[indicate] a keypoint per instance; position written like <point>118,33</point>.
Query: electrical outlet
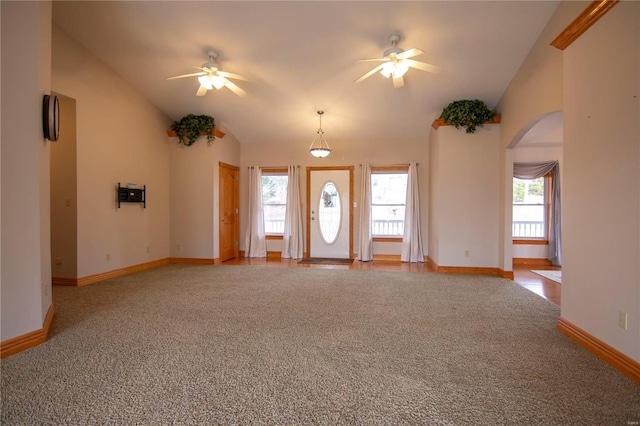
<point>57,261</point>
<point>622,320</point>
<point>466,253</point>
<point>179,246</point>
<point>108,256</point>
<point>148,249</point>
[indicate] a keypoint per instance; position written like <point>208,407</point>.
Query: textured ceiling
<point>300,57</point>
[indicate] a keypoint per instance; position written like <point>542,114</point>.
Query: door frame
<point>236,207</point>
<point>325,168</point>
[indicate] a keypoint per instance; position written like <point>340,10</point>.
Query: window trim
<point>388,170</point>
<point>273,171</point>
<point>548,190</point>
<point>532,241</point>
<point>389,239</point>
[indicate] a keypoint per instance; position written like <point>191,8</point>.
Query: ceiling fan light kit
<point>319,147</point>
<point>396,70</point>
<point>211,81</point>
<point>212,77</point>
<point>396,63</point>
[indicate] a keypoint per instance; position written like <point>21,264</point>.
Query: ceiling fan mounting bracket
<point>394,39</point>
<point>211,67</point>
<point>392,50</point>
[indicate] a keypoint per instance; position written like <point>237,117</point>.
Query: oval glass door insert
<point>329,213</point>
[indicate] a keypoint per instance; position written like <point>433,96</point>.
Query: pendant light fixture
<point>319,147</point>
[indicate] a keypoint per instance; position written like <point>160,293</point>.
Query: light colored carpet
<point>552,275</point>
<point>186,344</point>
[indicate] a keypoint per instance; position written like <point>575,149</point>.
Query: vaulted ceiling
<point>302,56</point>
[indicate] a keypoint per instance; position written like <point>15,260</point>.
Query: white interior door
<point>329,213</point>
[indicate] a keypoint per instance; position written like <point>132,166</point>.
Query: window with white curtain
<point>388,200</point>
<point>274,200</point>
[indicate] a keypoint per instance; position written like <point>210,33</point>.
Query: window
<point>274,200</point>
<point>388,198</point>
<point>531,208</point>
<point>329,213</point>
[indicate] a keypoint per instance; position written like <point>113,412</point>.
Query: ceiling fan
<point>396,62</point>
<point>211,76</point>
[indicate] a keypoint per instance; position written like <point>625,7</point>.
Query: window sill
<point>532,242</point>
<point>387,239</point>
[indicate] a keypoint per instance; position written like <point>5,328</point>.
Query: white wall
<point>121,137</point>
<point>26,268</point>
<point>192,207</point>
<point>530,251</point>
<point>64,200</point>
<point>195,194</point>
<point>467,193</point>
<point>434,196</point>
<point>345,153</point>
<point>601,211</point>
<point>535,90</point>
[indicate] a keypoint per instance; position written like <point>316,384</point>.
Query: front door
<point>330,212</point>
<point>229,213</point>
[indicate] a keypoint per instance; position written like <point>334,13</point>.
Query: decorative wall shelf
<point>440,122</point>
<point>217,133</point>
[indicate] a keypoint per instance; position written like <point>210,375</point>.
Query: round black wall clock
<point>51,117</point>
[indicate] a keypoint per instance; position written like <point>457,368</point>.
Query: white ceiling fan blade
<point>410,53</point>
<point>201,91</point>
<point>235,89</point>
<point>385,59</point>
<point>232,75</point>
<point>370,73</point>
<point>195,74</point>
<point>422,66</point>
<point>398,82</point>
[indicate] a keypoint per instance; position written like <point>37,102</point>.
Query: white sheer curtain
<point>292,238</point>
<point>412,239</point>
<point>365,248</point>
<point>255,241</point>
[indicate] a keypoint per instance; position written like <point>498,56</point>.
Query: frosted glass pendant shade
<point>319,147</point>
